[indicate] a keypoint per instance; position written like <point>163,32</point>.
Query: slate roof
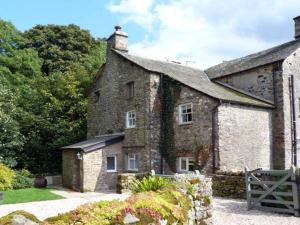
<point>96,143</point>
<point>196,79</point>
<point>265,57</point>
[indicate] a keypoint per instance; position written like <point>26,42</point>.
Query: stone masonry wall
<point>107,114</point>
<point>258,81</point>
<point>69,169</point>
<point>244,137</point>
<point>95,175</point>
<point>229,185</point>
<point>270,83</point>
<point>191,139</point>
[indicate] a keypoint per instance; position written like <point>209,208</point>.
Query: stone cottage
<point>145,114</point>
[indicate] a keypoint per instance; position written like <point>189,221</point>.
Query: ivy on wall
<point>169,92</point>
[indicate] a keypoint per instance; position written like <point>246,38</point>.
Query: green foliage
<point>22,179</point>
<point>6,178</point>
<point>45,74</point>
<point>169,92</point>
<point>150,183</point>
<point>6,220</point>
<point>149,207</point>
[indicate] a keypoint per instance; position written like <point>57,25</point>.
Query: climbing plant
<point>169,92</point>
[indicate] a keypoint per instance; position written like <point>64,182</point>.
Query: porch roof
<point>96,143</point>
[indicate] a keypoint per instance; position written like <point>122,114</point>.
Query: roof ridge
<point>156,60</point>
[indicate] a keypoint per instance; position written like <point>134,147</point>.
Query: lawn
<point>29,195</point>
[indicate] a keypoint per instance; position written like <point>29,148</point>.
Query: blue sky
<point>203,31</point>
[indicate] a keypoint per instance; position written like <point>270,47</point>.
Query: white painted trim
<point>115,160</point>
<point>128,162</point>
<point>127,119</point>
<point>180,113</point>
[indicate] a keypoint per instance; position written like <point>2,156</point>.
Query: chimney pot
<point>297,27</point>
<point>117,28</point>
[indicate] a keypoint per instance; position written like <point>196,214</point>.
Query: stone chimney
<point>118,40</point>
<point>297,27</point>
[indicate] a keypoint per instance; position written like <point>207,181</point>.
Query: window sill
<point>129,128</point>
<point>111,171</point>
<point>187,123</point>
<point>133,170</point>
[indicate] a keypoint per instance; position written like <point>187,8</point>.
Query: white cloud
<point>206,31</point>
<point>137,11</point>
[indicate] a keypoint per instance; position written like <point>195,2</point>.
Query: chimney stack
<point>118,40</point>
<point>297,27</point>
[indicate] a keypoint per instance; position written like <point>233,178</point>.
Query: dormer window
<point>130,89</point>
<point>185,113</point>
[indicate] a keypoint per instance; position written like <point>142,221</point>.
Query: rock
<point>130,219</point>
<point>21,220</point>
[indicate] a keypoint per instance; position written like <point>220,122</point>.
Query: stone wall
<point>244,137</point>
<point>70,174</point>
<point>191,140</point>
<point>258,81</point>
<point>229,185</point>
<point>200,194</point>
<point>95,175</point>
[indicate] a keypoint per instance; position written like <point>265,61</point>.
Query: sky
<point>198,33</point>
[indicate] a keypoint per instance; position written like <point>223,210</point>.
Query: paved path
<point>45,209</point>
<point>234,212</point>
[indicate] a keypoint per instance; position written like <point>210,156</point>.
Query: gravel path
<point>45,209</point>
<point>234,212</point>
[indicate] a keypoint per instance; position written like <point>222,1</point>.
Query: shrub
<point>6,178</point>
<point>22,179</point>
<point>150,183</point>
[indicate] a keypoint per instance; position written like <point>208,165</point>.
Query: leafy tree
<point>44,76</point>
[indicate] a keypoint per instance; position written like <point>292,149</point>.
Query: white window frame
<point>188,161</point>
<point>135,158</point>
<point>115,161</point>
<point>128,118</point>
<point>181,114</point>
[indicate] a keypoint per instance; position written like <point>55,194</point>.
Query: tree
<point>45,73</point>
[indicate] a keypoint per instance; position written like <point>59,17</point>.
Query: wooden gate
<point>272,190</point>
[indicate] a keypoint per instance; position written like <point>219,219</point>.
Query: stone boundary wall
<point>200,193</point>
<point>229,185</point>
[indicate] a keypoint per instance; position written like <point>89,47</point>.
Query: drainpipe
<point>214,155</point>
<point>161,125</point>
<point>293,116</point>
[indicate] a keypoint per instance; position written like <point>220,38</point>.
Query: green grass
<point>29,195</point>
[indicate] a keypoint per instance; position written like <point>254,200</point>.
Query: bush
<point>22,179</point>
<point>6,178</point>
<point>150,183</point>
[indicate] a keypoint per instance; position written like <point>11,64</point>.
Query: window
<point>111,163</point>
<point>130,89</point>
<point>130,119</point>
<point>185,113</point>
<point>97,95</point>
<point>132,162</point>
<point>186,164</point>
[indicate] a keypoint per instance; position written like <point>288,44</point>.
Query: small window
<point>130,89</point>
<point>132,162</point>
<point>97,95</point>
<point>186,164</point>
<point>130,119</point>
<point>111,163</point>
<point>185,113</point>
